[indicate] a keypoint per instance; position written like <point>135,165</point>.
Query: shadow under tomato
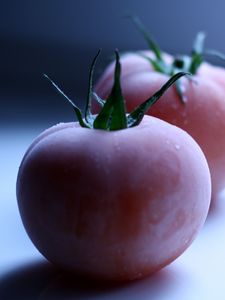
<point>65,286</point>
<point>26,282</point>
<point>42,281</point>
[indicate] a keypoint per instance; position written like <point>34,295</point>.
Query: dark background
<point>60,38</point>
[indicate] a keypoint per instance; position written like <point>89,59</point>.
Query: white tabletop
<point>199,274</point>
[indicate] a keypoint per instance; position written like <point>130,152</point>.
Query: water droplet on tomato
<point>183,88</point>
<point>174,106</point>
<point>167,142</point>
<point>185,99</point>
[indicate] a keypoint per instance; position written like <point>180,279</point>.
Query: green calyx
<point>112,115</point>
<point>181,63</point>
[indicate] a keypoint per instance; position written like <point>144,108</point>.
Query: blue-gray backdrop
<point>61,37</point>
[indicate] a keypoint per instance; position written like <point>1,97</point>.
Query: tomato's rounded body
<point>202,115</point>
<point>113,205</point>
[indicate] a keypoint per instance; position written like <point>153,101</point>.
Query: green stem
<point>112,115</point>
<point>183,63</point>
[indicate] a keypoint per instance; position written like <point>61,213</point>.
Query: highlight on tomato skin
<point>197,105</point>
<point>114,196</point>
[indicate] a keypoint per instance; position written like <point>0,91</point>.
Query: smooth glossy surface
<point>24,275</point>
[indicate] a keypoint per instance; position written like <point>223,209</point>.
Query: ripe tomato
<point>201,111</point>
<point>115,204</point>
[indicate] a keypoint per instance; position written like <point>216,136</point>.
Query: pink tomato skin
<point>202,116</point>
<point>113,205</point>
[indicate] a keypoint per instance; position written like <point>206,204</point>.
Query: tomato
<point>201,111</point>
<point>115,204</point>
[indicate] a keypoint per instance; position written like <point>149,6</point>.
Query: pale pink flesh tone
<point>202,116</point>
<point>113,205</point>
